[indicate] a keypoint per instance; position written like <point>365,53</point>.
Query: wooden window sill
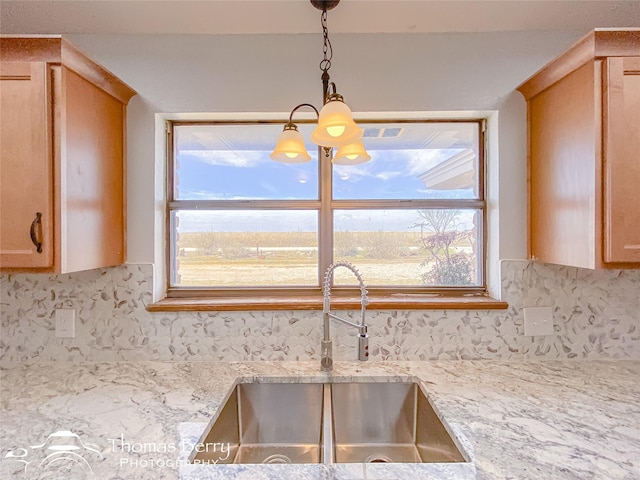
<point>314,302</point>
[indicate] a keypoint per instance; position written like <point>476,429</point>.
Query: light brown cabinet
<point>62,159</point>
<point>583,120</point>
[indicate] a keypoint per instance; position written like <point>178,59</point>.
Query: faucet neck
<point>328,277</point>
<point>363,338</point>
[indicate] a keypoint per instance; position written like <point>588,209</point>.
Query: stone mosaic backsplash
<point>596,316</point>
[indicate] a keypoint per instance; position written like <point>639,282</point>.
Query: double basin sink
<point>329,423</point>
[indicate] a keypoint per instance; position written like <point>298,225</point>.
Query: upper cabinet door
<point>62,159</point>
<point>622,160</point>
<point>584,153</point>
<point>26,167</point>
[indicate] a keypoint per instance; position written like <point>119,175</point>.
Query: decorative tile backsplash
<point>596,316</point>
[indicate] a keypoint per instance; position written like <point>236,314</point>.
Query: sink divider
<point>328,440</point>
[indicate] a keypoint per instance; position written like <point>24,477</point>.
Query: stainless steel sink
<point>388,422</point>
<point>267,423</point>
<point>328,423</point>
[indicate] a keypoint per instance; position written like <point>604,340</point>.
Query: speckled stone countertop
<point>518,420</point>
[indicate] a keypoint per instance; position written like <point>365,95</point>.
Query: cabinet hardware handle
<point>632,247</point>
<point>36,228</point>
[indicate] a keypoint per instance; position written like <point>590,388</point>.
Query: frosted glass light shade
<point>351,154</point>
<point>335,126</point>
<point>290,148</point>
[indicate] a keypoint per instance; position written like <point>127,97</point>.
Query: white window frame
<point>325,206</point>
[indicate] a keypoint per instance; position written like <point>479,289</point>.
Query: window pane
<point>413,161</point>
<point>434,247</point>
<point>231,162</point>
<point>244,248</point>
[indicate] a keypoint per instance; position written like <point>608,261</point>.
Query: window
<point>412,219</point>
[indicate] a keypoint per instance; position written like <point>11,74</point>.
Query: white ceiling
<point>298,16</point>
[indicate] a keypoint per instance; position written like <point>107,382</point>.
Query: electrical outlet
<point>538,321</point>
<point>65,322</point>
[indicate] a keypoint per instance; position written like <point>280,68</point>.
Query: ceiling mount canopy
<point>335,127</point>
<point>325,4</point>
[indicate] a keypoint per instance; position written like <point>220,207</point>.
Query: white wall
<point>380,73</point>
<point>595,312</point>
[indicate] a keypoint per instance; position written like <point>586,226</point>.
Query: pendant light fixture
<point>335,127</point>
<point>351,154</point>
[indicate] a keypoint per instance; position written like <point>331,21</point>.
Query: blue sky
<point>218,175</point>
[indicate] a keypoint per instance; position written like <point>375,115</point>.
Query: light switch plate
<point>65,322</point>
<point>538,321</point>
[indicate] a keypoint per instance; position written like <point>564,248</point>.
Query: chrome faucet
<point>326,349</point>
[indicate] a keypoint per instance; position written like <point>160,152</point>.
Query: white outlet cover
<point>65,322</point>
<point>538,321</point>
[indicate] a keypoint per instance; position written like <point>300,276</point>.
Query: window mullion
<point>169,223</point>
<point>325,223</point>
<point>244,205</point>
<point>407,204</point>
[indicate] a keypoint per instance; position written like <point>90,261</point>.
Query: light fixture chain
<point>335,127</point>
<point>327,50</point>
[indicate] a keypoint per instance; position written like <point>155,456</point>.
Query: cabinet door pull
<point>36,230</point>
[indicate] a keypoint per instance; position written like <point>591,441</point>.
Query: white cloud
<point>187,194</point>
<point>227,158</point>
<point>387,175</point>
<point>388,164</point>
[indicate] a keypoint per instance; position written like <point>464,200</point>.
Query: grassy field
<point>262,272</point>
<point>290,258</point>
<point>245,244</point>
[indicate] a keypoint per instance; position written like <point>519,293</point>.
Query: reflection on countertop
<point>524,420</point>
